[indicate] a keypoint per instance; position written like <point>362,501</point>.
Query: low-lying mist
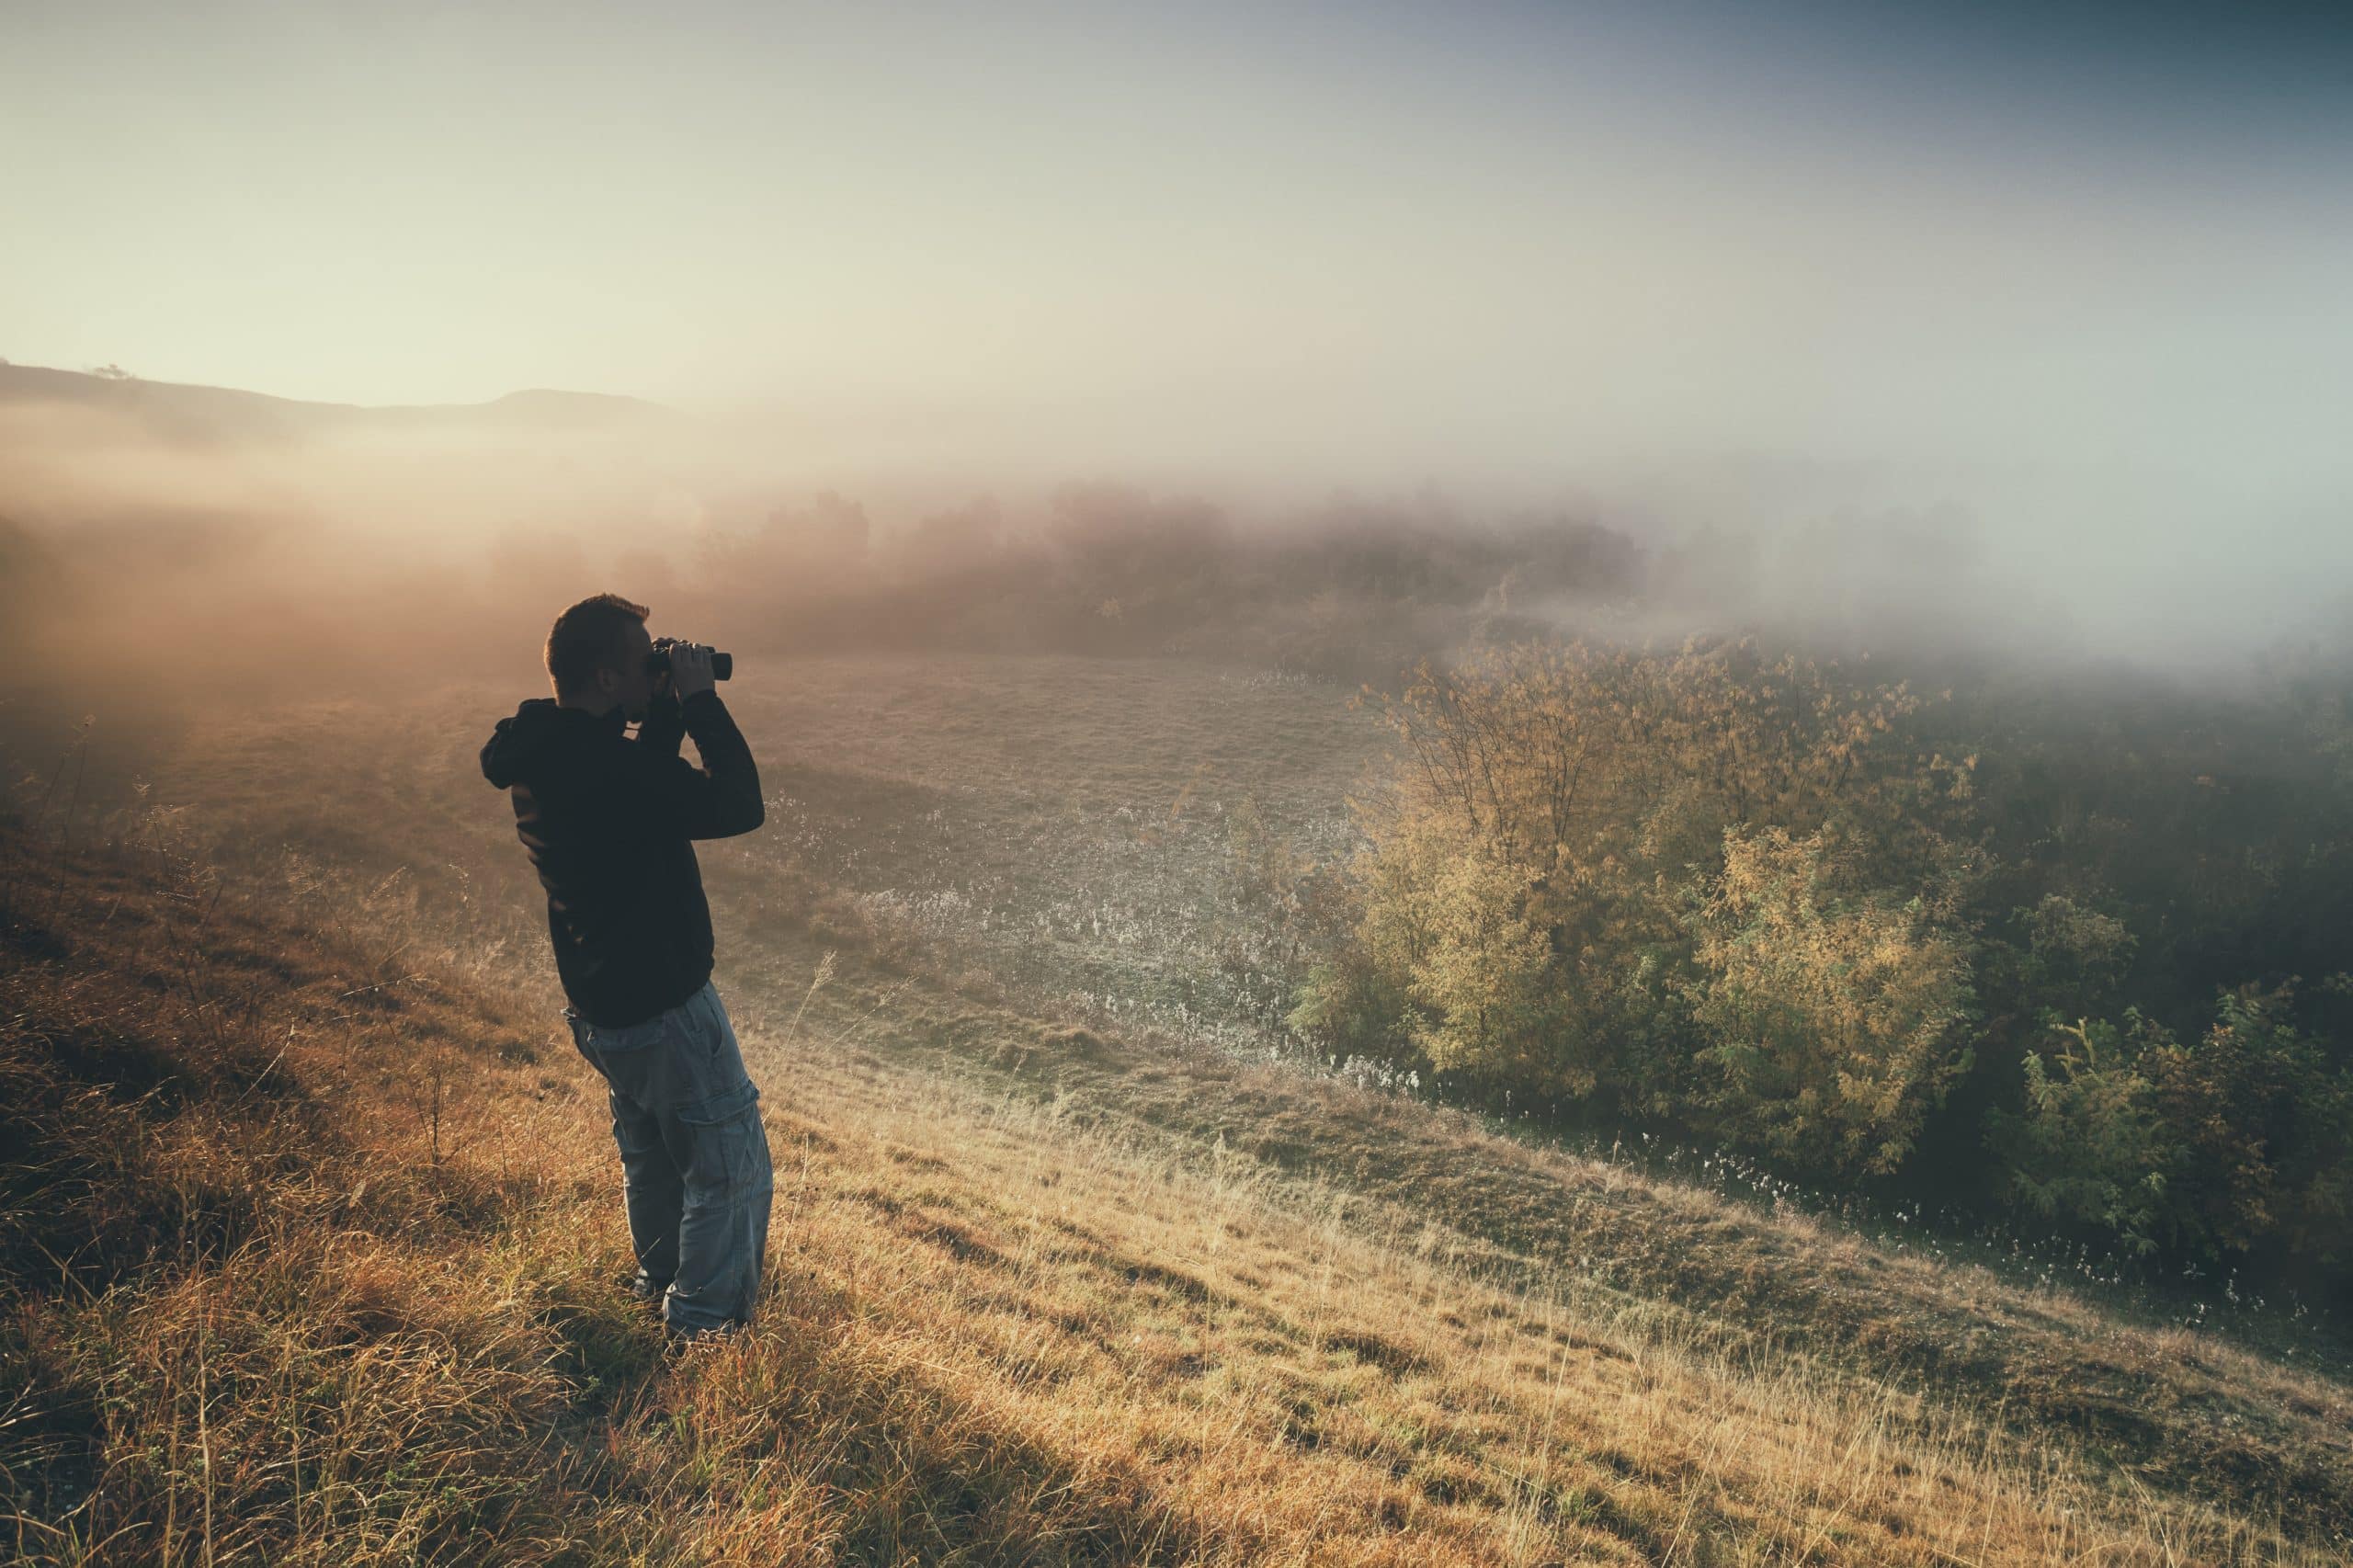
<point>178,549</point>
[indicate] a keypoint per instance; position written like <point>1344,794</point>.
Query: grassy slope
<point>1350,1317</point>
<point>2155,1406</point>
<point>251,1314</point>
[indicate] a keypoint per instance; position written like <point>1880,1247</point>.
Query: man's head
<point>597,653</point>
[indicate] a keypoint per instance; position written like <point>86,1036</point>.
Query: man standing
<point>609,824</point>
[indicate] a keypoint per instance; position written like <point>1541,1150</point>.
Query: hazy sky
<point>1466,236</point>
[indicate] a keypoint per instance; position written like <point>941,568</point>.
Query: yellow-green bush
<point>1837,1015</point>
<point>1831,920</point>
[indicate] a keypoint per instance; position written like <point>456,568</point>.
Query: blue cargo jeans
<point>694,1153</point>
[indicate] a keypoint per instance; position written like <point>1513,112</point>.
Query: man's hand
<point>690,668</point>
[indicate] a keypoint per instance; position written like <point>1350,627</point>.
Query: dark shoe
<point>648,1291</point>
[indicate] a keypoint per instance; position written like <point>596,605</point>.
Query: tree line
<point>2076,952</point>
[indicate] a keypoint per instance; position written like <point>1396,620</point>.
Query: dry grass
<point>251,1316</point>
<point>315,1253</point>
<point>1345,1390</point>
<point>2125,1407</point>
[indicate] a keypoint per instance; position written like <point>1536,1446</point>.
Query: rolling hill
<point>317,1257</point>
<point>222,415</point>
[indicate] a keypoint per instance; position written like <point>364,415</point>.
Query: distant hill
<point>225,414</point>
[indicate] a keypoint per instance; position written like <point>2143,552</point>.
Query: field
<point>1064,826</point>
<point>1070,1262</point>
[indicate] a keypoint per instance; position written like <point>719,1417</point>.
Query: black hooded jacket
<point>608,823</point>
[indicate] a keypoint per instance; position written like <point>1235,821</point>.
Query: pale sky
<point>1497,239</point>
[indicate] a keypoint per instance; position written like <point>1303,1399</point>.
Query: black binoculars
<point>723,665</point>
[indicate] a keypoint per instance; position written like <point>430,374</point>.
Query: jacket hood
<point>517,746</point>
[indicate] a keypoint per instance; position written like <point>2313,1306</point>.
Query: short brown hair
<point>587,638</point>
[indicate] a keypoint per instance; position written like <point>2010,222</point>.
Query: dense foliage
<point>2081,953</point>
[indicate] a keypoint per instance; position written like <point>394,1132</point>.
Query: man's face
<point>630,685</point>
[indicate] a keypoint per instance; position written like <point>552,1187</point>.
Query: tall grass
<point>263,1308</point>
<point>321,1232</point>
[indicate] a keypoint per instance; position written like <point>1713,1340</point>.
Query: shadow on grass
<point>880,1460</point>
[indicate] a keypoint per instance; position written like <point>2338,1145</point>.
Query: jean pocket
<point>724,1051</point>
<point>725,1138</point>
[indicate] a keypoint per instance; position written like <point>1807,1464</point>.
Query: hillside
<point>316,1257</point>
<point>175,412</point>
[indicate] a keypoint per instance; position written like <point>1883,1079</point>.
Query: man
<point>610,823</point>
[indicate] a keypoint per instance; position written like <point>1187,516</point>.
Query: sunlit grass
<point>993,1332</point>
<point>1038,1293</point>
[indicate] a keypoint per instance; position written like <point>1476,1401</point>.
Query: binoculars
<point>723,665</point>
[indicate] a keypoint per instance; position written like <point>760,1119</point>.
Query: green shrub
<point>1835,1019</point>
<point>2260,1123</point>
<point>1786,907</point>
<point>2237,1140</point>
<point>2088,1147</point>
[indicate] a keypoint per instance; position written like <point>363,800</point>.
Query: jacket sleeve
<point>719,800</point>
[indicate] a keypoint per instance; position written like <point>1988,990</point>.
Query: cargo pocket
<point>724,1140</point>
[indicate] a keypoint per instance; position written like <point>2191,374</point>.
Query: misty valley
<point>1395,1031</point>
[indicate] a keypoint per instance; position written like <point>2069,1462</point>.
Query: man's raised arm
<point>719,800</point>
